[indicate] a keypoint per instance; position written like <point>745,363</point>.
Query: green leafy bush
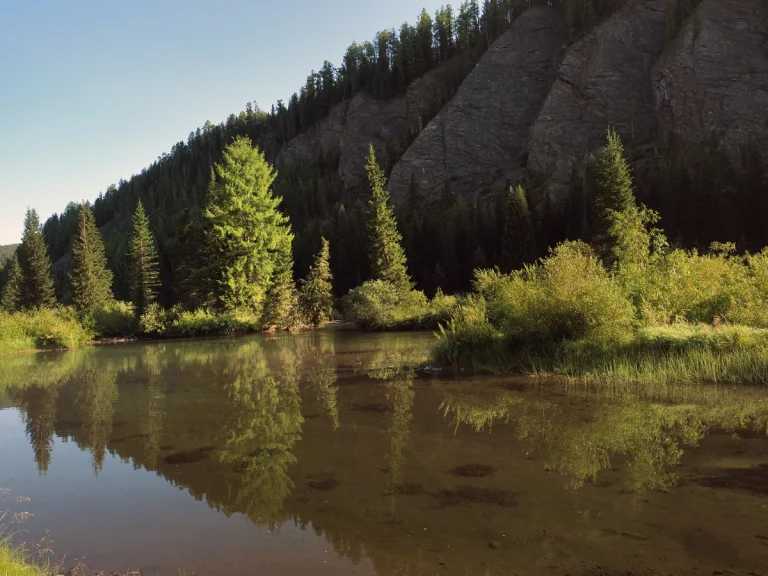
<point>381,305</point>
<point>205,323</point>
<point>155,320</point>
<point>115,320</point>
<point>468,339</point>
<point>567,296</point>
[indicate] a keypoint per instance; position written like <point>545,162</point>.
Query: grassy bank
<point>42,329</point>
<point>16,561</point>
<point>688,318</point>
<point>62,328</point>
<point>662,355</point>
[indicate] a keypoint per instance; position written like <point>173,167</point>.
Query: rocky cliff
<point>604,81</point>
<point>477,141</point>
<point>713,78</point>
<point>534,108</point>
<point>353,125</point>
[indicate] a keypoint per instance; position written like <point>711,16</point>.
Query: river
<point>328,453</point>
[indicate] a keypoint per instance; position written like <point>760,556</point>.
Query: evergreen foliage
<point>245,228</point>
<point>11,296</point>
<point>144,271</point>
<point>517,243</point>
<point>281,303</point>
<point>36,284</point>
<point>316,295</point>
<point>90,281</point>
<point>387,257</point>
<point>613,194</point>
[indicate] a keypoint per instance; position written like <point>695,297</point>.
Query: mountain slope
<point>714,77</point>
<point>475,143</point>
<point>604,81</point>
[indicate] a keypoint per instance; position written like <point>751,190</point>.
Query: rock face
<point>714,76</point>
<point>478,139</point>
<point>304,150</point>
<point>353,125</point>
<point>604,81</point>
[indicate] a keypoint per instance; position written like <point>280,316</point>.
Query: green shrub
<point>469,340</point>
<point>47,328</point>
<point>567,296</point>
<point>115,320</point>
<point>692,287</point>
<point>380,305</point>
<point>205,323</point>
<point>155,320</point>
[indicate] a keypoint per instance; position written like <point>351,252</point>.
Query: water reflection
<point>644,428</point>
<point>418,473</point>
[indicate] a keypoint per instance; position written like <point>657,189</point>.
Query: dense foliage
<point>316,295</point>
<point>90,281</point>
<point>631,313</point>
<point>29,284</point>
<point>144,275</point>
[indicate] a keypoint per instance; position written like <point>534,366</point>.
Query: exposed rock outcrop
<point>477,140</point>
<point>714,77</point>
<point>604,81</point>
<point>353,125</point>
<point>304,150</point>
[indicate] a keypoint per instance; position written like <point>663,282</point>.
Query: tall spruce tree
<point>142,255</point>
<point>281,301</point>
<point>316,295</point>
<point>246,229</point>
<point>11,297</point>
<point>517,243</point>
<point>388,261</point>
<point>613,193</point>
<point>90,281</point>
<point>36,286</point>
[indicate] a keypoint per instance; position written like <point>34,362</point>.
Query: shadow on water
<point>461,476</point>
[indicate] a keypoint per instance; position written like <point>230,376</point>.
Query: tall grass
<point>20,561</point>
<point>567,316</point>
<point>41,329</point>
<point>668,355</point>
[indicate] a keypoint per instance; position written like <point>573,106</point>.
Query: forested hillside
<point>386,92</point>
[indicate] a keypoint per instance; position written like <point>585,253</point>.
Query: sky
<point>94,91</point>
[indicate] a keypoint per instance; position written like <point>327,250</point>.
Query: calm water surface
<point>325,454</point>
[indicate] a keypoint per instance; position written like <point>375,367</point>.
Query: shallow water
<point>324,454</point>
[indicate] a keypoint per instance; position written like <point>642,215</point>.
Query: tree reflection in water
<point>649,432</point>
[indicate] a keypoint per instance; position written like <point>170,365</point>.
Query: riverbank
<point>684,318</point>
<point>677,354</point>
<point>17,561</point>
<point>61,328</point>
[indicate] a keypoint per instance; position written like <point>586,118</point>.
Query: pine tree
<point>144,273</point>
<point>281,299</point>
<point>613,193</point>
<point>11,298</point>
<point>36,286</point>
<point>317,288</point>
<point>388,261</point>
<point>245,228</point>
<point>517,243</point>
<point>90,281</point>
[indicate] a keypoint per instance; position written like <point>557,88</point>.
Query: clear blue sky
<point>93,91</point>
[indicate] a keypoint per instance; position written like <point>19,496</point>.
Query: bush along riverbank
<point>627,308</point>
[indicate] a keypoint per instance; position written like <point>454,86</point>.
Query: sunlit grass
<point>41,329</point>
<point>676,354</point>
